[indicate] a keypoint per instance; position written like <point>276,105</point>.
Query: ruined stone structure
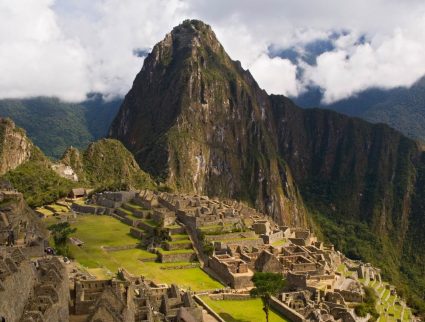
<point>232,270</point>
<point>32,290</point>
<point>242,241</point>
<point>132,300</point>
<point>104,203</point>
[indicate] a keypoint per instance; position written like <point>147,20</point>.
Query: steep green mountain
<point>54,125</point>
<point>196,120</point>
<point>402,108</point>
<point>104,164</point>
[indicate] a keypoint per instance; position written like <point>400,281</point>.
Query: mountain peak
<point>192,25</point>
<point>194,119</point>
<point>184,41</point>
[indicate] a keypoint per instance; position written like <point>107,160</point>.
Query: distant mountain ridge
<point>54,125</point>
<point>402,108</point>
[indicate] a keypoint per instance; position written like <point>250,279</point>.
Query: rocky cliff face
<point>195,119</point>
<point>15,147</point>
<point>361,171</point>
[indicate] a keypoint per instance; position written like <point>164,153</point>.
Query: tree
<point>60,234</point>
<point>266,286</point>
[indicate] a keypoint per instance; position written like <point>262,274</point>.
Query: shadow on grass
<point>228,318</point>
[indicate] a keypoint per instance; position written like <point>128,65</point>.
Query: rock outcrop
<point>15,147</point>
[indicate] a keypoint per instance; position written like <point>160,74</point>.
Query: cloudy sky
<point>68,48</point>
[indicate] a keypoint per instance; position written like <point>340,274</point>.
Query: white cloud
<point>385,62</point>
<point>68,48</point>
<point>276,75</point>
<point>35,57</point>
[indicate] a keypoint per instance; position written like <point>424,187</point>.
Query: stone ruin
<point>132,299</point>
<point>104,203</point>
<point>245,241</point>
<point>32,290</point>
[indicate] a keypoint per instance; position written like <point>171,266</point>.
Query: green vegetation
<point>60,234</point>
<point>54,125</point>
<point>38,182</point>
<point>266,286</point>
<point>369,305</point>
<point>176,251</point>
<point>278,243</point>
<point>97,231</point>
<point>357,241</point>
<point>389,307</point>
<point>44,211</point>
<point>105,165</point>
<point>241,310</point>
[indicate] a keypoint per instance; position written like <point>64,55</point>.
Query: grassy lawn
<point>172,226</point>
<point>341,269</point>
<point>135,206</point>
<point>279,243</point>
<point>177,237</point>
<point>179,241</point>
<point>133,217</point>
<point>242,311</point>
<point>235,240</point>
<point>79,201</point>
<point>96,231</point>
<point>177,251</point>
<point>150,222</point>
<point>44,211</point>
<point>127,212</point>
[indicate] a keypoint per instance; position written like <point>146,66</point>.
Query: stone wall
<point>91,209</point>
<point>136,212</point>
<point>350,296</point>
<point>235,280</point>
<point>150,229</point>
<point>176,257</point>
<point>208,309</point>
<point>285,310</point>
<point>135,232</point>
<point>33,289</point>
<point>296,281</point>
<point>230,296</point>
<point>245,234</point>
<point>118,248</point>
<point>174,246</point>
<point>17,288</point>
<point>33,251</point>
<point>273,237</point>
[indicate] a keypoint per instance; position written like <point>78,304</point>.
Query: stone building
<point>233,271</point>
<point>32,290</point>
<point>133,300</point>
